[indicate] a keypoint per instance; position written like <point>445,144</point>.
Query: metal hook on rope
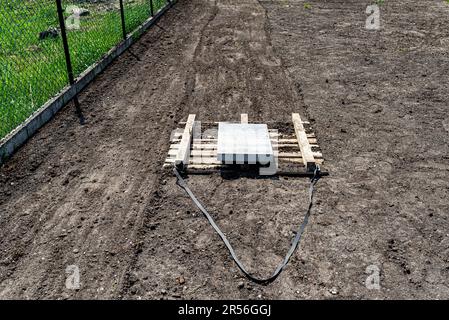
<point>317,174</point>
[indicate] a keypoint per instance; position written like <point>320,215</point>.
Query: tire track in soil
<point>152,209</point>
<point>369,93</point>
<point>295,86</point>
<point>191,75</point>
<point>34,265</point>
<point>234,70</point>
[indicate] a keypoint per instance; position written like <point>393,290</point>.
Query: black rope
<point>181,182</point>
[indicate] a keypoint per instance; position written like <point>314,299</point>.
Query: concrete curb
<point>20,135</point>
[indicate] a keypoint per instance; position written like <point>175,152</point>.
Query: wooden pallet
<point>296,151</point>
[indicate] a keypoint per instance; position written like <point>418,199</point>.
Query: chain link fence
<point>33,65</point>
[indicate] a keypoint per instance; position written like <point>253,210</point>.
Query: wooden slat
<point>183,153</point>
<point>198,160</point>
<point>304,146</point>
<point>298,155</point>
<point>175,141</point>
<point>312,141</point>
<point>178,135</point>
<point>213,146</point>
<point>177,138</point>
<point>214,162</point>
<point>213,153</point>
<point>244,118</point>
<point>217,122</point>
<point>272,132</point>
<point>195,153</point>
<point>295,141</point>
<point>195,146</point>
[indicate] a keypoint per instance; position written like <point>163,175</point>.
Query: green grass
<point>32,71</point>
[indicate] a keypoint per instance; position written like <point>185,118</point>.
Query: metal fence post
<point>68,60</point>
<point>122,14</point>
<point>151,8</point>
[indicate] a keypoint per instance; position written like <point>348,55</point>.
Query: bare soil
<point>96,195</point>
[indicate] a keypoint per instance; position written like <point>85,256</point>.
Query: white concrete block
<point>240,143</point>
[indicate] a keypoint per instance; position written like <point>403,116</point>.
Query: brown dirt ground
<point>96,195</point>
